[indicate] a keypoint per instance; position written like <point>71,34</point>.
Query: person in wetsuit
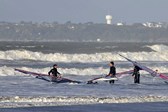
<point>112,72</point>
<point>54,72</point>
<point>136,74</point>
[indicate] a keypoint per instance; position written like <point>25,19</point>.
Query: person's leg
<point>138,78</point>
<point>111,81</point>
<point>54,79</point>
<point>135,78</point>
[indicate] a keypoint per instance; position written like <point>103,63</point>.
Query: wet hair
<point>136,67</point>
<point>54,65</point>
<point>112,62</point>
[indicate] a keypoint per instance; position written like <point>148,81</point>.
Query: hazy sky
<point>129,11</point>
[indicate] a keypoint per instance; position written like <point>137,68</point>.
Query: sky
<point>82,11</point>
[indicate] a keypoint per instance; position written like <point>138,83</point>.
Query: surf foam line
<point>9,71</point>
<point>160,53</point>
<point>18,101</point>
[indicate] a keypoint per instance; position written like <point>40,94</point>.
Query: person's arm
<point>114,71</point>
<point>134,72</point>
<point>110,73</point>
<point>59,74</point>
<point>49,73</point>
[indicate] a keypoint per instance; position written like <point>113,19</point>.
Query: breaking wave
<point>160,53</point>
<point>9,71</point>
<point>159,48</point>
<point>55,101</point>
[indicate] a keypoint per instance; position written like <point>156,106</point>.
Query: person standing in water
<point>136,74</point>
<point>112,72</point>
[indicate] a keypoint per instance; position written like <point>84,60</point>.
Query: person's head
<point>55,66</point>
<point>137,68</point>
<point>111,63</point>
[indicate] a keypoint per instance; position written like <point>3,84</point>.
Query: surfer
<point>112,72</point>
<point>54,72</point>
<point>136,74</point>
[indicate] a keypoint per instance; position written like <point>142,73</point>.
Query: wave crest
<point>98,57</point>
<point>9,71</point>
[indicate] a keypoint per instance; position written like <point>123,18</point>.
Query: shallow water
<point>112,107</point>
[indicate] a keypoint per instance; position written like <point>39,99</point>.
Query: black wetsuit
<point>136,74</point>
<point>113,72</point>
<point>54,72</point>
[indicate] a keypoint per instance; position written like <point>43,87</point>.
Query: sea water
<point>82,62</point>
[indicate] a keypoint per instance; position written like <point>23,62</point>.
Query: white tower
<point>109,19</point>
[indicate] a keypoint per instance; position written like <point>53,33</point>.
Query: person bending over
<point>54,72</point>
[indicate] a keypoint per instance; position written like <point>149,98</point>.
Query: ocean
<point>80,61</point>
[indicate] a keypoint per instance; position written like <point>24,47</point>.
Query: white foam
<point>160,54</point>
<point>159,48</point>
<point>8,71</point>
<point>51,101</point>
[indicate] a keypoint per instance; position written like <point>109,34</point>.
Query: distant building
<point>109,19</point>
<point>121,24</point>
<point>153,24</point>
<point>98,40</point>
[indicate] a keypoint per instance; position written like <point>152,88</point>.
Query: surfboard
<point>103,78</point>
<point>47,77</point>
<point>107,79</point>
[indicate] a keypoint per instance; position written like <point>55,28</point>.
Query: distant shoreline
<point>54,41</point>
<point>87,32</point>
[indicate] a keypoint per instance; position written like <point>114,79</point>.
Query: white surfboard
<point>107,79</point>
